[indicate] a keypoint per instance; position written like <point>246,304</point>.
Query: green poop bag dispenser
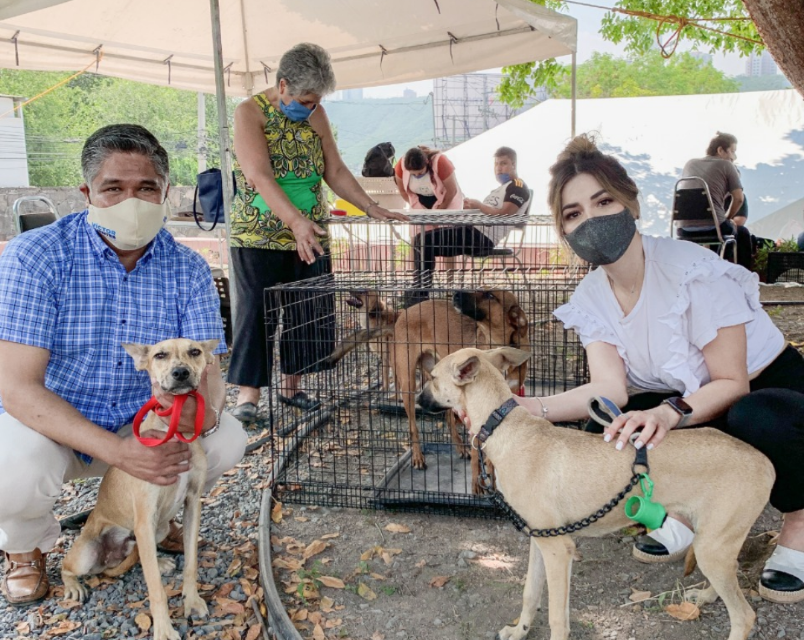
<point>643,509</point>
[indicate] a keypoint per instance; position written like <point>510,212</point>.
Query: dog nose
<point>180,374</point>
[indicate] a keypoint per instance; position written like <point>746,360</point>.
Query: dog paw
<point>195,606</point>
<point>74,590</point>
<point>165,631</point>
<point>512,633</point>
<point>418,461</point>
<point>166,565</point>
<point>700,597</point>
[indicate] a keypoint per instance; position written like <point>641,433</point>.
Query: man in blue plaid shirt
<point>71,294</point>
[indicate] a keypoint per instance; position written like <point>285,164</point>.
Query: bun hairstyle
<point>721,140</point>
<point>581,155</point>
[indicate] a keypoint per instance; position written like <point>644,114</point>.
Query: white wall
<point>13,157</point>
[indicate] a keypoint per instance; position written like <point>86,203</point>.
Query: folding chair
<point>510,247</point>
<point>33,220</point>
<point>695,204</point>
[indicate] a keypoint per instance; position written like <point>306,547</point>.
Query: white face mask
<point>130,224</point>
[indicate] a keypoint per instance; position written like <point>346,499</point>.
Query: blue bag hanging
<point>209,194</point>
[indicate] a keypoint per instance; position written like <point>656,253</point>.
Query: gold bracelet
<point>541,404</point>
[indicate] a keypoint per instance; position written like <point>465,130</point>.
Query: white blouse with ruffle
<point>688,294</point>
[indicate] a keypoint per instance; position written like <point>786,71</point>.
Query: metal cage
<point>354,450</point>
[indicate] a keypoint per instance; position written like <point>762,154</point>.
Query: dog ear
<point>466,372</point>
<point>140,354</point>
<point>518,320</point>
<point>209,347</point>
<point>506,357</point>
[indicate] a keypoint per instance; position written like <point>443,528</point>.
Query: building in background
<point>466,105</point>
<point>352,94</point>
<point>760,65</point>
<point>409,93</point>
<point>13,156</point>
<point>706,58</point>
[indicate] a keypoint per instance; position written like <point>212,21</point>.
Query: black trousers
<point>308,316</point>
<point>770,418</point>
<point>445,242</point>
<point>742,235</point>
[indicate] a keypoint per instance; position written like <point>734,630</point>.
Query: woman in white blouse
<point>684,332</point>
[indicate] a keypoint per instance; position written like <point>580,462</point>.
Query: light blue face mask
<point>420,176</point>
<point>295,111</point>
<point>502,178</point>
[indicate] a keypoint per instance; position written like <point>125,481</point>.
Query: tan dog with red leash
<point>128,505</point>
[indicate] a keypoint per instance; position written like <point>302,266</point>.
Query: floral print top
<point>297,158</point>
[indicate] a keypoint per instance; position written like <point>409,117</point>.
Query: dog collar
<point>496,417</point>
<point>174,411</point>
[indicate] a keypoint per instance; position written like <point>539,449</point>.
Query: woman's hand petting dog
<point>654,424</point>
<point>158,465</point>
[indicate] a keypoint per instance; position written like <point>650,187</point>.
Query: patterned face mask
<point>604,239</point>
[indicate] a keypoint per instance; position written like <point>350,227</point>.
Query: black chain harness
<point>499,502</point>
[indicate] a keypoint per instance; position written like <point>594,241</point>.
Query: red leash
<point>174,411</point>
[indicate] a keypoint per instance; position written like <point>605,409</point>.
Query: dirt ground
<point>378,575</point>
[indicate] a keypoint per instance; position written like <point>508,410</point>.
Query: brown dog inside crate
<point>484,319</point>
<point>433,329</point>
<point>377,314</point>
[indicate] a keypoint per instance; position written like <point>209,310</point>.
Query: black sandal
<point>300,400</point>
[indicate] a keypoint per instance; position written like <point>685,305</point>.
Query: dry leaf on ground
<point>364,592</point>
<point>314,548</point>
<point>143,621</point>
<point>396,528</point>
<point>318,633</point>
<point>639,596</point>
<point>683,611</point>
<point>329,581</point>
<point>439,581</point>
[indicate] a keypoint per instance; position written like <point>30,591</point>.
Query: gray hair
<point>122,138</point>
<point>307,69</point>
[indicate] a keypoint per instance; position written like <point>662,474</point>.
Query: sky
<point>589,42</point>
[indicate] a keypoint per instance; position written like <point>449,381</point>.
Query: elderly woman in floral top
<point>284,148</point>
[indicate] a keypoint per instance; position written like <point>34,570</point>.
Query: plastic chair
<point>509,247</point>
<point>694,204</point>
<point>33,220</point>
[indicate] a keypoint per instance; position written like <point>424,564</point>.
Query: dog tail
<point>690,562</point>
<point>362,336</point>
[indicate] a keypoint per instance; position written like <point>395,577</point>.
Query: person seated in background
<point>718,170</point>
<point>509,198</point>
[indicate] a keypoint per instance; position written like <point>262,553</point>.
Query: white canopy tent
<point>372,42</point>
<point>786,223</point>
<point>654,137</point>
<point>236,47</point>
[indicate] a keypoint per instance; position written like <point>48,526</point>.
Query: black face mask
<point>603,239</point>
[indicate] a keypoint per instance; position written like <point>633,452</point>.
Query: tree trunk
<point>781,25</point>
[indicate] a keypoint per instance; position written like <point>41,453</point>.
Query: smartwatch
<point>681,408</point>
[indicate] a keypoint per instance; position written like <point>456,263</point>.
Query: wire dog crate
<point>354,450</point>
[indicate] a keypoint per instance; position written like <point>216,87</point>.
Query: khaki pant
<point>33,469</point>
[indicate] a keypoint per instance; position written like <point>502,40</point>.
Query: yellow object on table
<point>348,207</point>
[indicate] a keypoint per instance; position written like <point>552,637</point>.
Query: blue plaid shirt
<point>63,289</point>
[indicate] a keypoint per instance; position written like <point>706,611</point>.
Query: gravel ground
<point>228,572</point>
<point>473,554</point>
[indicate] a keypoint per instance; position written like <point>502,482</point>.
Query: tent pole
<point>223,137</point>
<point>574,92</point>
